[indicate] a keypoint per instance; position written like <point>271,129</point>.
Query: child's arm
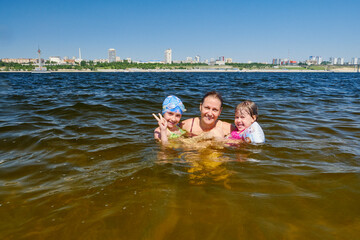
<point>254,134</point>
<point>160,133</point>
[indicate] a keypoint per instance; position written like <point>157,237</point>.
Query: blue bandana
<point>173,104</point>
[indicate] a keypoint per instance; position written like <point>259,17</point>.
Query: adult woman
<point>208,123</point>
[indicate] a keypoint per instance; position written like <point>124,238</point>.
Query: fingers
<point>160,119</point>
<point>156,117</point>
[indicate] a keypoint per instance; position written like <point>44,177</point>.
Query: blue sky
<point>256,30</point>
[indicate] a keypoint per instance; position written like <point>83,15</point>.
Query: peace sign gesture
<point>163,124</point>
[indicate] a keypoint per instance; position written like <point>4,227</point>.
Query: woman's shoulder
<point>225,125</point>
<point>187,120</point>
<point>186,124</point>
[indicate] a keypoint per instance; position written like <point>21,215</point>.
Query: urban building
<point>20,60</point>
<point>355,61</point>
<point>168,56</point>
<point>341,61</point>
<point>315,60</point>
<point>284,61</point>
<point>197,59</point>
<point>101,60</point>
<point>189,60</point>
<point>276,61</point>
<point>220,62</point>
<point>69,61</point>
<point>333,60</point>
<point>56,60</point>
<point>337,61</point>
<point>112,55</point>
<point>228,60</point>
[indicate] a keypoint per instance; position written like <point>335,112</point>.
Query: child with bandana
<point>172,110</point>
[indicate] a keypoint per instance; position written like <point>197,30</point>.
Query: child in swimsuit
<point>172,110</point>
<point>247,127</point>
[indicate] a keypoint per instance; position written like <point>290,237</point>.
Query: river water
<point>78,159</point>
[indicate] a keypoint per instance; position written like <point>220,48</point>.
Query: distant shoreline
<point>339,70</point>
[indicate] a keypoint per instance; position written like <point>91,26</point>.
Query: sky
<point>256,30</point>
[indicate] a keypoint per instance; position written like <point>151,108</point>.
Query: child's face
<point>243,120</point>
<point>173,118</point>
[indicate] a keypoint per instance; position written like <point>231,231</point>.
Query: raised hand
<point>161,121</point>
<point>163,128</point>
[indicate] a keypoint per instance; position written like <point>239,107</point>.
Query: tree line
<point>93,66</point>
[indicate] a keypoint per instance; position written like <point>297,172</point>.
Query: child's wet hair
<point>250,107</point>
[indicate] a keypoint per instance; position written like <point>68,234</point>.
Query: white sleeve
<point>256,134</point>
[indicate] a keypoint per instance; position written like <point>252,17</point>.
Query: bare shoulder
<point>227,127</point>
<point>186,124</point>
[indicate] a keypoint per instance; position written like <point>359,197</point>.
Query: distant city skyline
<point>112,57</point>
<point>257,31</point>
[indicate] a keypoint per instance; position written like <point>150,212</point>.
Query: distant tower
<point>197,58</point>
<point>80,55</point>
<point>40,63</point>
<point>112,55</point>
<point>168,57</point>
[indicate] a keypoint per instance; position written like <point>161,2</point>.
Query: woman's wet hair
<point>213,94</point>
<point>249,106</point>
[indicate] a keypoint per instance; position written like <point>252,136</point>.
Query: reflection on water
<point>78,159</point>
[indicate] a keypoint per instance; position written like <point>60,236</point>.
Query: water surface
<point>78,159</point>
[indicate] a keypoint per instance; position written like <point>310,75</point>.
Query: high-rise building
<point>112,55</point>
<point>355,61</point>
<point>315,59</point>
<point>318,60</point>
<point>197,58</point>
<point>341,61</point>
<point>333,60</point>
<point>276,61</point>
<point>168,56</point>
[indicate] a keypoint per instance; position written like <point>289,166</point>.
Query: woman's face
<point>210,110</point>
